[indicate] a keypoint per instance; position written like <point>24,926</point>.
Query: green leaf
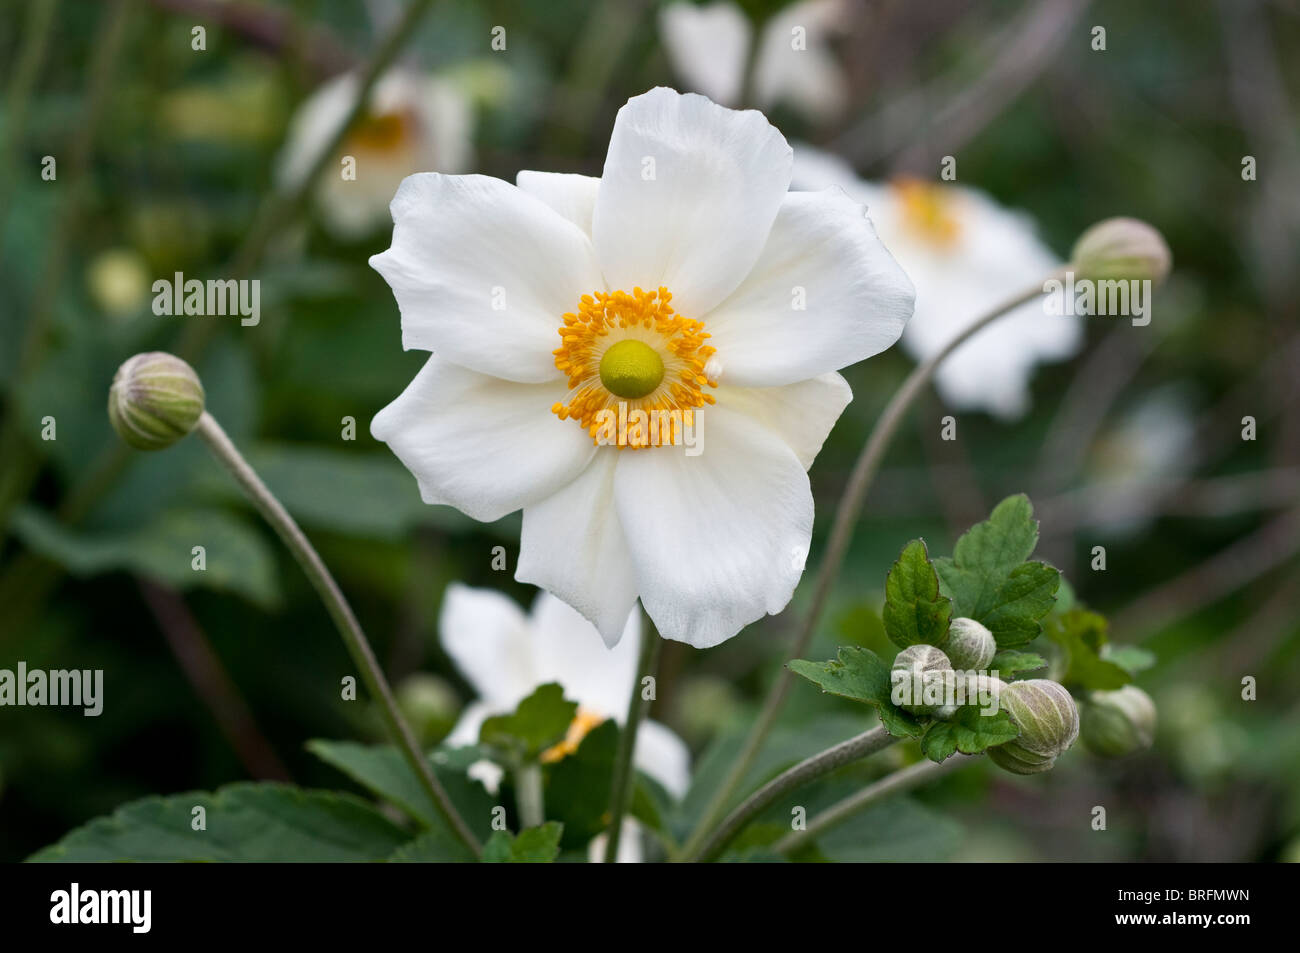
<point>541,720</point>
<point>859,674</point>
<point>1082,636</point>
<point>435,846</point>
<point>238,558</point>
<point>1130,658</point>
<point>383,771</point>
<point>1010,663</point>
<point>989,581</point>
<point>969,731</point>
<point>578,786</point>
<point>533,845</point>
<point>914,609</point>
<point>896,830</point>
<point>246,822</point>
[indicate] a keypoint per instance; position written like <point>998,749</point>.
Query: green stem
<point>901,780</point>
<point>846,517</point>
<point>344,619</point>
<point>620,796</point>
<point>528,794</point>
<point>819,765</point>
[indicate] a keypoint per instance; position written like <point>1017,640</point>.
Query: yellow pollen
<point>927,210</point>
<point>630,351</point>
<point>582,723</point>
<point>383,132</point>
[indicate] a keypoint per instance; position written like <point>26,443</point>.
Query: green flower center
<point>631,369</point>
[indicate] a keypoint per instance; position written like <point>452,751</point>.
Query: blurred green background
<point>166,162</point>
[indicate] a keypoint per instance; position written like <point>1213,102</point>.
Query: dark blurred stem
<point>208,677</point>
<point>846,518</point>
<point>21,463</point>
<point>806,771</point>
<point>620,795</point>
<point>344,619</point>
<point>904,779</point>
<point>36,39</point>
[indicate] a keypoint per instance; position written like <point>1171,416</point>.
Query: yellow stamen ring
<point>632,349</point>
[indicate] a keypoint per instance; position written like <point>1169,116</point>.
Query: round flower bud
<point>429,704</point>
<point>911,668</point>
<point>155,400</point>
<point>967,690</point>
<point>1114,724</point>
<point>969,645</point>
<point>1048,721</point>
<point>1121,249</point>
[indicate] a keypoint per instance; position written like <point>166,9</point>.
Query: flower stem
<point>822,763</point>
<point>846,517</point>
<point>344,619</point>
<point>901,780</point>
<point>620,795</point>
<point>528,794</point>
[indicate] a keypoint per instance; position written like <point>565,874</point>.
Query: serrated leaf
<point>1010,663</point>
<point>383,771</point>
<point>540,721</point>
<point>1082,635</point>
<point>860,674</point>
<point>246,822</point>
<point>914,610</point>
<point>533,845</point>
<point>435,846</point>
<point>969,731</point>
<point>988,579</point>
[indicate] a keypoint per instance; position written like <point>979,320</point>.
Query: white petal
<point>573,196</point>
<point>489,639</point>
<point>807,77</point>
<point>664,757</point>
<point>708,47</point>
<point>483,445</point>
<point>800,414</point>
<point>688,196</point>
<point>483,273</point>
<point>824,294</point>
<point>717,539</point>
<point>570,651</point>
<point>572,544</point>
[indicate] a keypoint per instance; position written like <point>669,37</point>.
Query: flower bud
<point>1048,721</point>
<point>155,400</point>
<point>912,667</point>
<point>969,645</point>
<point>1121,249</point>
<point>1118,723</point>
<point>966,690</point>
<point>430,706</point>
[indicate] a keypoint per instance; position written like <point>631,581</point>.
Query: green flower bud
<point>969,645</point>
<point>429,704</point>
<point>1048,721</point>
<point>908,676</point>
<point>967,689</point>
<point>1118,723</point>
<point>155,400</point>
<point>1122,249</point>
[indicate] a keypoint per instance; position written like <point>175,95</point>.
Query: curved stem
<point>846,517</point>
<point>528,795</point>
<point>344,619</point>
<point>621,788</point>
<point>901,780</point>
<point>822,763</point>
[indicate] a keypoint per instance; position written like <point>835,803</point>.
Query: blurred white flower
<point>118,281</point>
<point>412,123</point>
<point>506,655</point>
<point>771,291</point>
<point>966,254</point>
<point>709,47</point>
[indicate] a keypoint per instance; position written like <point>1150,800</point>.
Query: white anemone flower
<point>506,655</point>
<point>412,123</point>
<point>709,47</point>
<point>967,255</point>
<point>771,292</point>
